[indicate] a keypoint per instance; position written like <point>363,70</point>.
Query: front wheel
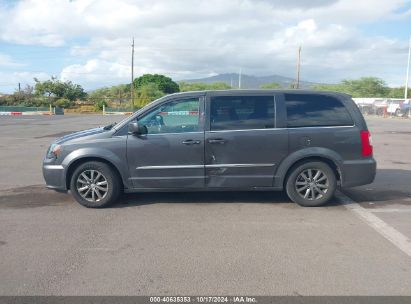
<point>311,184</point>
<point>95,185</point>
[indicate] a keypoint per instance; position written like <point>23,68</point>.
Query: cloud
<point>10,80</point>
<point>54,22</point>
<point>195,38</point>
<point>95,71</point>
<point>8,62</point>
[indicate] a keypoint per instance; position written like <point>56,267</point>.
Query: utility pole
<point>132,75</point>
<point>239,80</point>
<point>19,87</point>
<point>297,83</point>
<point>407,77</point>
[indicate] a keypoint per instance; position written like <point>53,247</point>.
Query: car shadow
<point>391,186</point>
<point>217,197</point>
<point>202,197</point>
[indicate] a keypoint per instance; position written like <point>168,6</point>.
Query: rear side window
<point>242,112</point>
<point>315,111</point>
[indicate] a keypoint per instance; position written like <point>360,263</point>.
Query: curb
<point>24,113</point>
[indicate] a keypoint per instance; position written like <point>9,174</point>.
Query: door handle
<point>191,142</point>
<point>217,141</point>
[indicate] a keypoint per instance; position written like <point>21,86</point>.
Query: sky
<point>89,41</point>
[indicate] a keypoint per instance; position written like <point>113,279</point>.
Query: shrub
<point>63,103</point>
<point>99,103</point>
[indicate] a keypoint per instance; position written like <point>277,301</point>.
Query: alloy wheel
<point>312,184</point>
<point>92,185</point>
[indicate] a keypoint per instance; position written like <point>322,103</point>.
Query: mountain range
<point>250,81</point>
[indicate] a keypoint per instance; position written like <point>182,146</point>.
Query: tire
<point>95,185</point>
<point>309,190</point>
<point>399,113</point>
<point>365,110</point>
<point>380,112</point>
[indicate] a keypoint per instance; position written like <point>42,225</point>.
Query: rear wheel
<point>311,184</point>
<point>398,113</point>
<point>95,185</point>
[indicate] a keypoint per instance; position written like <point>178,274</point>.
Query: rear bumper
<point>358,172</point>
<point>54,177</point>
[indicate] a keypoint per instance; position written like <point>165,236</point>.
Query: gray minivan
<point>306,142</point>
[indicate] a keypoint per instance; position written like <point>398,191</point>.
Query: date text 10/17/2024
<point>203,299</point>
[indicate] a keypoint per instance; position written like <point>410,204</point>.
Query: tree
<point>272,85</point>
<point>58,89</point>
<point>147,93</point>
<point>330,87</point>
<point>99,98</point>
<point>363,87</point>
<point>366,87</point>
<point>164,84</point>
<point>24,97</point>
<point>201,86</point>
<point>397,92</point>
<point>115,96</point>
<point>63,102</point>
<point>44,87</point>
<point>73,91</point>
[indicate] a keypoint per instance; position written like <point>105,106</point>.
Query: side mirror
<point>136,129</point>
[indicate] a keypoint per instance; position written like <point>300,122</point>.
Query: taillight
<point>366,147</point>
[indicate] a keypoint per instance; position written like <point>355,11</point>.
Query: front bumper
<point>358,172</point>
<point>54,175</point>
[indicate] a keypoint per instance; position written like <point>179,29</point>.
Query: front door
<point>243,145</point>
<point>171,154</point>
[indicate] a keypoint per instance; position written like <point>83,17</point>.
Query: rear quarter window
<point>313,110</point>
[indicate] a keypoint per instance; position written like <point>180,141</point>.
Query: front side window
<point>177,116</point>
<point>242,112</point>
<point>313,110</point>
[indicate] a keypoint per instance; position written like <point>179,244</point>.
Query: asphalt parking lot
<point>201,243</point>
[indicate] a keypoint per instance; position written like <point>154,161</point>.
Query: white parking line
<point>394,236</point>
<point>383,210</point>
<point>15,120</point>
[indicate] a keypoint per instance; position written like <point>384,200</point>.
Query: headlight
<point>54,151</point>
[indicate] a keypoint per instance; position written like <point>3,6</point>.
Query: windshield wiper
<point>110,126</point>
